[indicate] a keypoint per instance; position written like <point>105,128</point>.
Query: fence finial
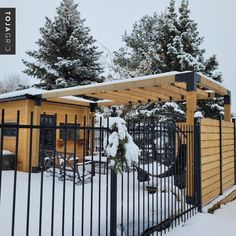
<point>114,113</point>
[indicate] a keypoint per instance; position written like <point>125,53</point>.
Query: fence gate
<point>71,189</point>
<point>162,187</point>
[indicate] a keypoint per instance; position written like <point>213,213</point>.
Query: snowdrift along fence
<point>72,189</point>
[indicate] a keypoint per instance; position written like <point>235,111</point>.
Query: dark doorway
<point>47,134</point>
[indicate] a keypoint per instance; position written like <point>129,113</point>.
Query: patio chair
<point>72,167</point>
<point>69,169</point>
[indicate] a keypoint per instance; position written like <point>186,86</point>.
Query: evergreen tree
<point>192,58</point>
<point>188,42</point>
<point>146,50</point>
<point>138,46</point>
<point>67,55</point>
<point>169,42</point>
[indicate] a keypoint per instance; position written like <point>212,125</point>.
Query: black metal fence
<point>73,189</point>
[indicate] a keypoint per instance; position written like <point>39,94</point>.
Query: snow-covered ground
<point>221,223</point>
<point>137,198</point>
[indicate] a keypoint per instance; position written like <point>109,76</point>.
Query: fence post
<point>220,126</point>
<point>197,161</point>
<point>113,208</point>
<point>234,121</point>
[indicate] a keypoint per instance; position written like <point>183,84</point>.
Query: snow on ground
<point>154,211</point>
<point>222,222</point>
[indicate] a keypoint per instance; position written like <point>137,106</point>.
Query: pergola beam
<point>201,94</point>
<point>107,96</point>
<point>213,85</point>
<point>167,93</point>
<point>68,101</point>
<point>173,86</point>
<point>128,95</point>
<point>151,93</point>
<point>148,81</point>
<point>150,96</point>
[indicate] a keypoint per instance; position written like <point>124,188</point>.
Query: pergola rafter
<point>173,86</point>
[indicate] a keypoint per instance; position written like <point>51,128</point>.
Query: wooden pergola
<point>173,86</point>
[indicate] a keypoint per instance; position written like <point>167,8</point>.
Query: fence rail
<point>70,187</point>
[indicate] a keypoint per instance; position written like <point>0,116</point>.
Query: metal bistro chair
<point>68,169</point>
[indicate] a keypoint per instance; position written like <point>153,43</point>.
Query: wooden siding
<point>27,106</point>
<point>71,111</point>
<point>210,158</point>
<point>9,143</point>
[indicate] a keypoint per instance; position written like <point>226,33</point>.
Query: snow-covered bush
<point>159,111</point>
<point>120,148</point>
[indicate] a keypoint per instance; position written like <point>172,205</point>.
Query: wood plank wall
<point>210,158</point>
<point>71,111</point>
<point>26,106</point>
<point>9,143</point>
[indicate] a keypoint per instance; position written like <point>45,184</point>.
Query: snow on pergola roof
<point>39,92</point>
<point>171,86</point>
<point>29,91</point>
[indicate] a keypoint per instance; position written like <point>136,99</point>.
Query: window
<point>70,130</point>
<point>9,131</point>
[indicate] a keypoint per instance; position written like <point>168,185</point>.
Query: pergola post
<point>91,133</point>
<point>191,79</point>
<point>191,105</point>
<point>227,108</point>
<point>36,135</point>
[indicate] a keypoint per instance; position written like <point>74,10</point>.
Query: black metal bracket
<point>190,78</point>
<point>38,100</point>
<point>93,107</point>
<point>227,99</point>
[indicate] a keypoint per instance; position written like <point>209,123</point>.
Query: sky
<point>108,20</point>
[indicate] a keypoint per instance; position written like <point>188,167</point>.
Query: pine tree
<point>192,58</point>
<point>173,44</point>
<point>138,46</point>
<point>189,54</point>
<point>146,50</point>
<point>67,55</point>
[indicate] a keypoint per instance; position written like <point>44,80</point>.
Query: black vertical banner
<point>7,31</point>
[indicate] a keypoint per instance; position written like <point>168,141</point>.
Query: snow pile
<point>30,91</point>
<point>36,91</point>
<point>217,107</point>
<point>173,106</point>
<point>222,222</point>
<point>6,152</point>
<point>159,110</point>
<point>121,148</point>
<point>198,114</point>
